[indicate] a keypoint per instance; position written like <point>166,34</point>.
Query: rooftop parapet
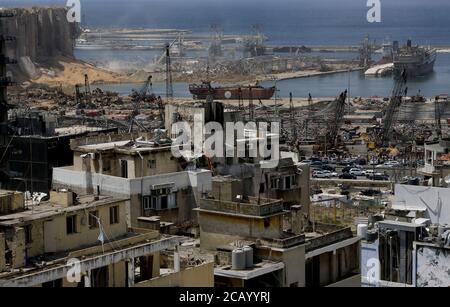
<point>253,207</point>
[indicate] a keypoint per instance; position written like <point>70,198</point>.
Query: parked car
<point>328,168</point>
<point>369,172</point>
<point>390,164</point>
<point>356,172</point>
<point>347,176</point>
<point>321,174</point>
<point>347,169</point>
<point>316,164</point>
<point>381,177</point>
<point>361,161</point>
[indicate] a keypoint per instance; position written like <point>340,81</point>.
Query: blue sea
<point>308,22</point>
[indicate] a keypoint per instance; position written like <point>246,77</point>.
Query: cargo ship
<point>416,61</point>
<point>232,92</point>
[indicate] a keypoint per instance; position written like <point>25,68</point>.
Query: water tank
<point>238,259</point>
<point>248,256</point>
<point>362,231</point>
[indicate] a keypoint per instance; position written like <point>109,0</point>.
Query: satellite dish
<point>227,94</point>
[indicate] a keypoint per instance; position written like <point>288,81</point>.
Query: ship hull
<point>416,69</point>
<point>233,93</point>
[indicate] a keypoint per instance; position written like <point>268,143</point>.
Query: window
<point>71,224</point>
<point>274,183</point>
<point>288,182</point>
<point>151,164</point>
<point>114,215</point>
<point>157,201</point>
<point>106,165</point>
<point>93,215</point>
<point>28,235</point>
<point>146,202</point>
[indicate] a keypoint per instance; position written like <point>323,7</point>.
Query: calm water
<point>309,22</point>
<point>332,85</point>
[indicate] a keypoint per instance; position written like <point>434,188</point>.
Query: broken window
<point>106,165</point>
<point>274,183</point>
<point>114,215</point>
<point>160,199</point>
<point>71,224</point>
<point>93,216</point>
<point>151,164</point>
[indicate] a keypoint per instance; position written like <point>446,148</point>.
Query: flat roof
<point>128,145</point>
<point>48,209</point>
<point>258,269</point>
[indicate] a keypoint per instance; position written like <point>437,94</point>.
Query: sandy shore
<point>68,72</point>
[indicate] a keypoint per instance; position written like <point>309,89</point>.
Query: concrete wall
<point>50,235</point>
<point>189,185</point>
<point>294,261</point>
<point>199,276</point>
<point>220,229</point>
<point>11,202</point>
<point>351,282</point>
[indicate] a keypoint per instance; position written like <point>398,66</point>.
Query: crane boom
<point>337,119</point>
<point>399,91</point>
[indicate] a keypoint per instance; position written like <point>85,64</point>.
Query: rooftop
<point>258,269</point>
<point>251,207</point>
<point>49,208</point>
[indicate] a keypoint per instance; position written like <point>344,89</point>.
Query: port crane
<point>337,119</point>
<point>399,91</point>
<point>141,96</point>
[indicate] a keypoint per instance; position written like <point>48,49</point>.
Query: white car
<point>369,172</point>
<point>321,174</point>
<point>356,172</point>
<point>390,164</point>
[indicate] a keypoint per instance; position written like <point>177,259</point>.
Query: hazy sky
<point>199,2</point>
